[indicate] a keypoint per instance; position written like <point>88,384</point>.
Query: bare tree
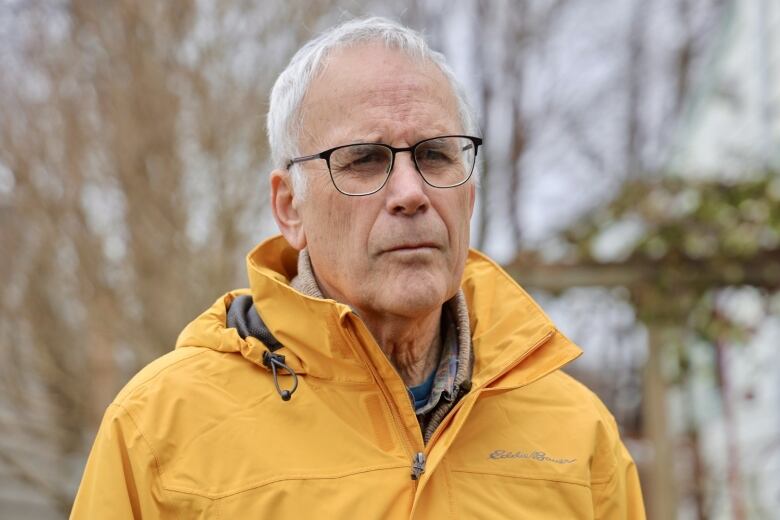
<point>134,140</point>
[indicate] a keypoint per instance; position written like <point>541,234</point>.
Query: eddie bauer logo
<point>539,456</point>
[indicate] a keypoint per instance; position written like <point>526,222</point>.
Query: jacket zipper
<point>418,459</point>
<point>418,465</point>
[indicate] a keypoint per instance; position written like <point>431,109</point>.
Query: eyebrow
<point>378,140</point>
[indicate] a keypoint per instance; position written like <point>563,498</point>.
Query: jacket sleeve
<point>618,495</point>
<point>120,479</point>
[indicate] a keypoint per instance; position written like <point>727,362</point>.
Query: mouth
<point>413,247</point>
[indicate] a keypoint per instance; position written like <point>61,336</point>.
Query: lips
<point>412,246</point>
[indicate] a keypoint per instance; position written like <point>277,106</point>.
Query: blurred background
<point>631,183</point>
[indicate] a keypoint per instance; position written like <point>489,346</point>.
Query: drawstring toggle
<point>276,362</point>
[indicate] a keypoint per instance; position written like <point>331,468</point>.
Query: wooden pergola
<point>665,291</point>
<point>652,286</point>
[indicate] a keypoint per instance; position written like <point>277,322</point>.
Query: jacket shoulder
<point>568,415</point>
<point>563,390</point>
<point>615,481</point>
<point>167,365</point>
<point>591,411</point>
<point>577,391</point>
<point>195,380</point>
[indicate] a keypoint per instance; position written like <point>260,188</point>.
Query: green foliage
<point>696,237</point>
<point>697,221</point>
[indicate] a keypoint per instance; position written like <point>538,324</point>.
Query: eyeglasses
<point>363,168</point>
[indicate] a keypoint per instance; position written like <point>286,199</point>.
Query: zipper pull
<point>418,465</point>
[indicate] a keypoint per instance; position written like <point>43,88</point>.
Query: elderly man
<point>376,368</point>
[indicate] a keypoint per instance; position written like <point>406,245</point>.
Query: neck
<point>412,345</point>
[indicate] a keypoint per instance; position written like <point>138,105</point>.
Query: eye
<point>368,158</point>
<point>437,155</point>
<point>359,159</point>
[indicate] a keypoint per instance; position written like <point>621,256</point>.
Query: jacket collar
<point>514,342</point>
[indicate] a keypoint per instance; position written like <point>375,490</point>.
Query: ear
<point>285,209</point>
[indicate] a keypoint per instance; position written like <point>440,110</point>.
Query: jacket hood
<point>319,337</point>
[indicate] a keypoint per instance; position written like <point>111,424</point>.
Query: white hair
<point>284,121</point>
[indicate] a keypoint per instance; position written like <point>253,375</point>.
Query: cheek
<point>457,218</point>
<point>339,233</point>
<point>335,226</point>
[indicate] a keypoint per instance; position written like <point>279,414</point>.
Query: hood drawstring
<point>276,362</point>
<point>243,316</point>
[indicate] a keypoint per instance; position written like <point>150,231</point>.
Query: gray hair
<point>284,121</point>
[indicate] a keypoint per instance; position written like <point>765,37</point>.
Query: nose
<point>406,192</point>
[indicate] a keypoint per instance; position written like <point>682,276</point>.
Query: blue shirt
<point>422,392</point>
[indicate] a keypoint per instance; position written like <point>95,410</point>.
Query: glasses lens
<point>446,161</point>
<point>360,168</point>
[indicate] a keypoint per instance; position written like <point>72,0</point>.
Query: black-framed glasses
<point>363,168</point>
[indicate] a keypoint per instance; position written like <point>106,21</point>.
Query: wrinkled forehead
<point>366,80</point>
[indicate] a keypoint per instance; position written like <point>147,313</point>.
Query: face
<point>400,251</point>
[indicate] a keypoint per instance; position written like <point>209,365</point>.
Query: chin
<point>415,299</point>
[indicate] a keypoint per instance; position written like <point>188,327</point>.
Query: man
<point>376,368</point>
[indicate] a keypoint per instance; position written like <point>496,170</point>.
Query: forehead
<point>370,92</point>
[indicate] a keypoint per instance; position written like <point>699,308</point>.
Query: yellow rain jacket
<point>203,433</point>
